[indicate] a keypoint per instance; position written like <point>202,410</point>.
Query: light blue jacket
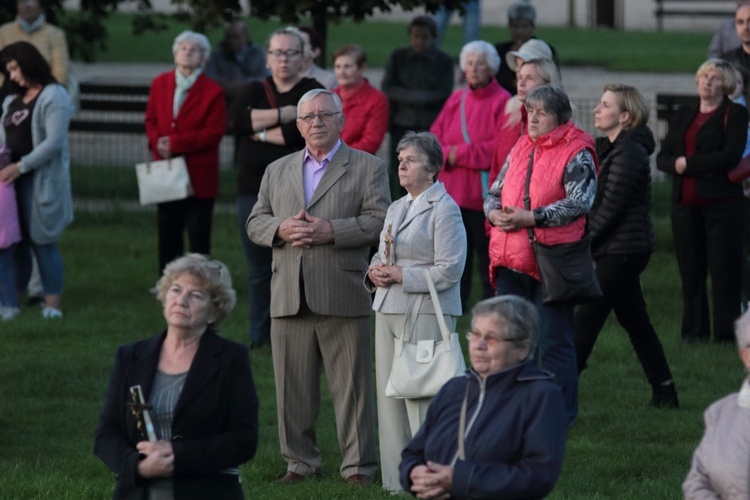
<point>52,203</point>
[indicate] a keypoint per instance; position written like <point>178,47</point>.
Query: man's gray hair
<point>522,10</point>
<point>312,94</point>
<point>742,330</point>
<point>519,317</point>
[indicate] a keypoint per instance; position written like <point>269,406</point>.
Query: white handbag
<point>163,180</point>
<point>420,370</point>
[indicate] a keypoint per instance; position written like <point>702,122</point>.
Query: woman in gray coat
<point>422,230</point>
<point>35,122</point>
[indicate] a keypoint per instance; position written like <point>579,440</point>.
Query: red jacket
<point>552,152</point>
<point>366,112</point>
<point>196,131</point>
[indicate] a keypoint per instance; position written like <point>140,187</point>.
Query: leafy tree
<point>86,32</point>
<point>324,11</point>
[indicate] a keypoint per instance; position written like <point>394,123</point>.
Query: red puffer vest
<point>552,152</point>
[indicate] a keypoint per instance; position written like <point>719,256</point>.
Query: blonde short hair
<point>213,276</point>
<point>630,100</point>
<point>728,80</point>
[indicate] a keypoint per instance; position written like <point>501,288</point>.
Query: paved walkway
<point>580,82</point>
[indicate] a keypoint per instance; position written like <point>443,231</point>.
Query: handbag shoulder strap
<point>526,197</point>
<point>269,94</point>
<point>410,318</point>
<point>444,331</point>
<point>464,128</point>
<point>462,425</point>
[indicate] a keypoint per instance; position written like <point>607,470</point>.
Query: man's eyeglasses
<point>276,54</point>
<point>325,116</point>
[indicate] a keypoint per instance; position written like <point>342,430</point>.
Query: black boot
<point>665,396</point>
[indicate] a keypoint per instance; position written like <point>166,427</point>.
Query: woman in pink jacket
<point>467,129</point>
<point>365,108</point>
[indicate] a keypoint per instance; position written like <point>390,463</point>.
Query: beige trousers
<point>398,419</point>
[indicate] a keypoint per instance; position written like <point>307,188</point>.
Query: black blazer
<point>718,149</point>
<point>215,424</point>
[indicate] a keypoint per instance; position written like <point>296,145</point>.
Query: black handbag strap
<point>526,197</point>
<point>527,201</point>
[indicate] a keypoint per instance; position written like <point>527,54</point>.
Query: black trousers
<point>619,277</point>
<point>709,239</point>
<point>173,218</point>
<point>476,241</point>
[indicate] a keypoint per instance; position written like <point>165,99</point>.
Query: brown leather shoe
<point>359,480</point>
<point>290,477</point>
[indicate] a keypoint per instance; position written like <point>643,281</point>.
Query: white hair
<point>198,39</point>
<point>480,47</point>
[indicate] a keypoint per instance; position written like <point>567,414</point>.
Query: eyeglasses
<point>291,53</point>
<point>325,116</point>
<point>491,340</point>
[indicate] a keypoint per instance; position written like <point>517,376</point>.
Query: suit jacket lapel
<point>204,367</point>
<point>335,169</point>
<point>295,177</point>
<point>145,361</point>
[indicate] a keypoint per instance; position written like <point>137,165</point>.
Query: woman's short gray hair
<point>480,47</point>
<point>522,10</point>
<point>519,317</point>
<point>742,330</point>
<point>427,146</point>
<point>312,94</point>
<point>553,100</point>
<point>214,277</point>
<point>198,39</point>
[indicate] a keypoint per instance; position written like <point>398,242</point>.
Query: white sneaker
<point>7,313</point>
<point>51,312</point>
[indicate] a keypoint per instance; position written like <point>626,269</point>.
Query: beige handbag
<point>420,370</point>
<point>163,180</point>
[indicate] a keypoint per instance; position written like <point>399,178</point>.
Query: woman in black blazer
<point>705,140</point>
<point>200,389</point>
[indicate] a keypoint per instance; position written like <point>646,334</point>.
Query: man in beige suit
<point>321,209</point>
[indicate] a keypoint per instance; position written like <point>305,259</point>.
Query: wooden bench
<point>692,8</point>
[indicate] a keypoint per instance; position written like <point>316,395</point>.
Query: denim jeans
<point>7,281</point>
<point>258,276</point>
<point>555,351</point>
<point>471,17</point>
<point>48,256</point>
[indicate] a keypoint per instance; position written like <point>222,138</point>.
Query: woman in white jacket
<point>35,122</point>
<point>425,231</point>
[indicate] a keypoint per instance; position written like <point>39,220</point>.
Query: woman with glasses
<point>186,116</point>
<point>704,141</point>
<point>499,431</point>
<point>422,230</point>
<point>263,117</point>
<point>200,390</point>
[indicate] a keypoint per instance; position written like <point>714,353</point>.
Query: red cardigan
<point>196,131</point>
<point>366,112</point>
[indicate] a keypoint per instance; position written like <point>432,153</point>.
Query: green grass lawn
<point>53,375</point>
<point>613,49</point>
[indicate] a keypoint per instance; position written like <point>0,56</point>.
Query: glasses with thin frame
<point>325,116</point>
<point>289,54</point>
<point>491,340</point>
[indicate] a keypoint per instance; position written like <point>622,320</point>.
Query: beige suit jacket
<point>353,195</point>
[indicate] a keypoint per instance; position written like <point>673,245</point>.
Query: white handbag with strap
<point>420,370</point>
<point>163,180</point>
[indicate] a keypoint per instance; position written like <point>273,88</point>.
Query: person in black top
<point>263,117</point>
<point>622,237</point>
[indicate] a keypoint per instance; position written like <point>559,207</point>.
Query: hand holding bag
<point>163,180</point>
<point>566,270</point>
<point>420,370</point>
